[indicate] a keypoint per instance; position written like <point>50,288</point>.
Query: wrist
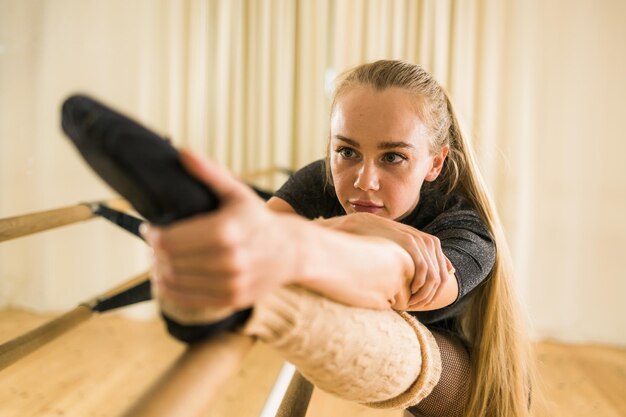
<point>362,271</point>
<point>406,274</point>
<point>295,228</point>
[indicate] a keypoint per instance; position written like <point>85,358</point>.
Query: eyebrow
<point>382,145</point>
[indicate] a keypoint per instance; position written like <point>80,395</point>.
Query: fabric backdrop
<point>539,86</point>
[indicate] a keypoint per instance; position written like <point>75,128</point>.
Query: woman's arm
<point>399,296</point>
<point>239,253</point>
<point>364,271</point>
<point>439,283</point>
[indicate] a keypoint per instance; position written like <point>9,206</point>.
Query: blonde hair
<point>500,352</point>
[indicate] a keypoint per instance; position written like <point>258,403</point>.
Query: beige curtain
<point>539,86</point>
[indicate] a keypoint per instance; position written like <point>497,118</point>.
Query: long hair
<point>500,351</point>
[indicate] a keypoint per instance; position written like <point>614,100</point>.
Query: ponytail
<point>493,324</point>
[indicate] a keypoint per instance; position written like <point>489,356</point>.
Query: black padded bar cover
<point>140,165</point>
<point>146,170</point>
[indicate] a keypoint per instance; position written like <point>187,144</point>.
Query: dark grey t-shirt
<point>463,235</point>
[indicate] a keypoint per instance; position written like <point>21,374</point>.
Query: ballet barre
<point>28,224</point>
<point>192,382</point>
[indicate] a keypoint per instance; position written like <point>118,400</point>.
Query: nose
<point>367,178</point>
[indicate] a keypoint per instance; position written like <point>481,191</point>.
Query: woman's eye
<point>393,158</point>
<point>347,153</point>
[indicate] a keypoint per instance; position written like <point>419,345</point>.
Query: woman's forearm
<point>448,288</point>
<point>356,270</point>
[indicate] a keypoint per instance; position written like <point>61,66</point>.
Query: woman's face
<point>379,152</point>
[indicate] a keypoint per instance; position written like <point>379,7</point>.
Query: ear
<point>438,161</point>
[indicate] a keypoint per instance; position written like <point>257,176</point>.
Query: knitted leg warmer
<point>383,359</point>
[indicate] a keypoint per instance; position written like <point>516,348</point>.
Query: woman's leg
<point>449,396</point>
<point>383,359</point>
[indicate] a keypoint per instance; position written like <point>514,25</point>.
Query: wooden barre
<point>252,175</point>
<point>17,348</point>
<point>296,400</point>
<point>190,385</point>
<point>27,224</point>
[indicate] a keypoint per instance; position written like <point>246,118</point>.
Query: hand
<point>226,258</point>
<point>432,268</point>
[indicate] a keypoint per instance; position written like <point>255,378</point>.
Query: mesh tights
<point>451,392</point>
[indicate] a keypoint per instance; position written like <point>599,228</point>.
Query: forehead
<point>366,114</point>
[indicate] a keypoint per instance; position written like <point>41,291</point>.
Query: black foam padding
<point>145,169</point>
<point>140,165</point>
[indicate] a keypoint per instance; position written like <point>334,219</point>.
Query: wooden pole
<point>189,386</point>
<point>296,400</point>
<point>253,175</point>
<point>27,224</point>
<point>17,348</point>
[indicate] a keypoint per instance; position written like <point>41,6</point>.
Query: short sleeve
<point>467,244</point>
<point>470,248</point>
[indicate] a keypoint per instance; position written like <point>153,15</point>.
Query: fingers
<point>418,285</point>
<point>208,273</point>
<point>218,179</point>
<point>204,268</point>
<point>202,282</point>
<point>441,270</point>
<point>437,265</point>
<point>198,234</point>
<point>444,273</point>
<point>449,266</point>
<point>209,260</point>
<point>193,299</point>
<point>424,295</point>
<point>186,236</point>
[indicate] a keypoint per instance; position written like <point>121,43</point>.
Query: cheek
<point>341,178</point>
<point>406,195</point>
<point>403,197</point>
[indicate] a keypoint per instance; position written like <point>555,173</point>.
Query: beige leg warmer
<point>383,359</point>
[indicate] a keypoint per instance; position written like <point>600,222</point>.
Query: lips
<point>365,206</point>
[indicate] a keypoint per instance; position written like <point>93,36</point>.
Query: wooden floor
<point>102,366</point>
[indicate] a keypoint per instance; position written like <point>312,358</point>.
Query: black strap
<point>125,221</point>
<point>138,293</point>
<point>190,333</point>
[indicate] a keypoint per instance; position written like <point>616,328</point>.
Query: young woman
<point>402,222</point>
